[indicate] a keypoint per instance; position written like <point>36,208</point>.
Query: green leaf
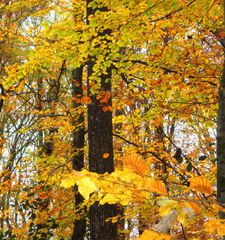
<point>189,167</point>
<point>202,158</point>
<point>179,159</point>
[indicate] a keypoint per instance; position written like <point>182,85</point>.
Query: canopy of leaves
<point>166,59</point>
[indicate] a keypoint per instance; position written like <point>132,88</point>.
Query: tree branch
<point>156,156</point>
<point>2,94</point>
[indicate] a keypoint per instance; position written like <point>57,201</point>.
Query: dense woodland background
<point>108,118</point>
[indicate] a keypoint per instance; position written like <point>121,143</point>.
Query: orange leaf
<point>86,100</point>
<point>110,108</point>
<point>201,184</point>
<point>76,83</point>
<point>105,155</point>
<point>106,97</point>
<point>156,186</point>
<point>196,208</point>
<point>135,163</point>
<point>105,109</point>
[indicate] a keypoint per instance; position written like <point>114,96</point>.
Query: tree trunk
<point>78,157</point>
<point>221,140</point>
<point>100,136</point>
<point>100,140</point>
<point>221,143</point>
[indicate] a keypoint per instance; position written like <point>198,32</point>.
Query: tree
<point>149,109</point>
<point>221,138</point>
<point>100,138</point>
<point>78,145</point>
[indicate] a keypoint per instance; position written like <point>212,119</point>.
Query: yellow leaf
<point>217,208</point>
<point>166,206</point>
<point>186,211</point>
<point>136,163</point>
<point>216,226</point>
<point>126,175</point>
<point>164,202</point>
<point>124,202</point>
<point>86,187</point>
<point>109,198</point>
<point>21,86</point>
<point>184,214</point>
<point>201,184</point>
<point>156,186</point>
<point>152,235</point>
<point>69,181</point>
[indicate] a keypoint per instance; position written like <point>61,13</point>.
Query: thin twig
<point>182,154</point>
<point>156,156</point>
<point>183,232</point>
<point>3,94</point>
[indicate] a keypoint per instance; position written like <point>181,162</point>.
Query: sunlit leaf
<point>215,226</point>
<point>136,163</point>
<point>201,184</point>
<point>194,206</point>
<point>152,235</point>
<point>68,181</point>
<point>166,206</point>
<point>86,187</point>
<point>110,199</point>
<point>156,186</point>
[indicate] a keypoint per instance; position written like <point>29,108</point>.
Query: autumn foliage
<point>164,61</point>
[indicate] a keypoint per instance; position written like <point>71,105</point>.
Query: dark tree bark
<point>100,128</point>
<point>120,210</point>
<point>2,95</point>
<point>78,134</point>
<point>78,157</point>
<point>221,142</point>
<point>100,140</point>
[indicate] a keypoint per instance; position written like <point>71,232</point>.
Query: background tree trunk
<point>78,157</point>
<point>221,143</point>
<point>221,140</point>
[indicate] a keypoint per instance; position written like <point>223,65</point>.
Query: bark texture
<point>221,141</point>
<point>100,140</point>
<point>78,156</point>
